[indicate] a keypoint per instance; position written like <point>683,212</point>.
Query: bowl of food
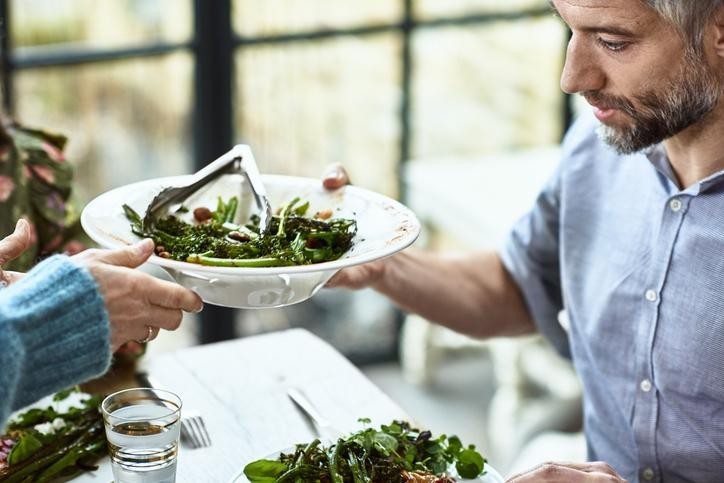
<point>396,452</point>
<point>212,244</point>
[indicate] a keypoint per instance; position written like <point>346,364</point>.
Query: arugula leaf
<point>371,456</point>
<point>264,471</point>
<point>26,447</point>
<point>470,464</point>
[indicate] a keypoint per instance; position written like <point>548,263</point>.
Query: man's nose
<point>580,72</point>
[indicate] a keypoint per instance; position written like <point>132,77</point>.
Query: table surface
<point>240,389</point>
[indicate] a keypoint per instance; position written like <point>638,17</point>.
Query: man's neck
<point>698,151</point>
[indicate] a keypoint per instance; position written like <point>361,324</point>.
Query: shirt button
<point>675,205</point>
<point>648,474</point>
<point>651,295</point>
<point>646,385</point>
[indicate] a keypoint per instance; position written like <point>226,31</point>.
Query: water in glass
<point>142,428</point>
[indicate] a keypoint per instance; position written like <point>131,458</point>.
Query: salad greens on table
<point>213,239</point>
<point>394,453</point>
<point>44,443</point>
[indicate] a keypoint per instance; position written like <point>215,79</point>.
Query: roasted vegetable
<point>42,444</point>
<point>213,239</point>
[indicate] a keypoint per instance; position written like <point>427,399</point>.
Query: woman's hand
<point>11,247</point>
<point>138,304</point>
<point>569,473</point>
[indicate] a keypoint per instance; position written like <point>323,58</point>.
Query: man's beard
<point>661,114</point>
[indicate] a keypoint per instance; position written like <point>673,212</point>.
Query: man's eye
<point>612,46</point>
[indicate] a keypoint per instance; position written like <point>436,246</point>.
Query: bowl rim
<point>407,233</point>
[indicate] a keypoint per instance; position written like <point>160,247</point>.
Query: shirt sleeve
<point>54,332</point>
<point>531,252</point>
<point>531,256</point>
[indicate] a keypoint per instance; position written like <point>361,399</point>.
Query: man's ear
<point>718,28</point>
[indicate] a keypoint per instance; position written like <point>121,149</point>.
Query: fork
<point>238,160</point>
<point>194,431</point>
<point>193,428</point>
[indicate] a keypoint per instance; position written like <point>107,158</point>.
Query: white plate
<point>490,475</point>
<point>384,227</point>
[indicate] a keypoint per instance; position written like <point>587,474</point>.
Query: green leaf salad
<point>42,444</point>
<point>394,453</point>
<point>213,239</point>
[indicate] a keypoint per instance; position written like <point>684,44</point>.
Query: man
<point>627,237</point>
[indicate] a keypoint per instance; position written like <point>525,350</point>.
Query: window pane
<point>487,88</point>
<point>264,17</point>
<point>125,121</point>
<point>99,23</point>
<point>304,106</point>
<point>445,8</point>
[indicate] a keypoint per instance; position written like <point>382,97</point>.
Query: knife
<point>322,427</point>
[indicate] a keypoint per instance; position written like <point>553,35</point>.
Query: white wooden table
<point>240,389</point>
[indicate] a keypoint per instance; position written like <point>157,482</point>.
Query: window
<point>147,88</point>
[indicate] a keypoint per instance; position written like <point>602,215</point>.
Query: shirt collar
<point>657,156</point>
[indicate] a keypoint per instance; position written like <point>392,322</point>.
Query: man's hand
<point>569,473</point>
<point>335,176</point>
<point>360,276</point>
<point>11,247</point>
<point>138,304</point>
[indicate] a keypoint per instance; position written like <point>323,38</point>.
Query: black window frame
<point>213,47</point>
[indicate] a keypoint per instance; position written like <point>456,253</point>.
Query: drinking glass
<point>142,428</point>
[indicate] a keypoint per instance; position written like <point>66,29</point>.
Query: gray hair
<point>689,17</point>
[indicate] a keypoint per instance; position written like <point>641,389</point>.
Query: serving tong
<point>239,160</point>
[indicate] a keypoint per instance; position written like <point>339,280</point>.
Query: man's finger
<point>335,176</point>
<point>132,256</point>
<point>557,472</point>
<point>549,473</point>
<point>12,246</point>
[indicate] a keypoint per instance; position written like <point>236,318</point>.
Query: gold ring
<point>148,337</point>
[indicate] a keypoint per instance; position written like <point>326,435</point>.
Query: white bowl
<point>384,227</point>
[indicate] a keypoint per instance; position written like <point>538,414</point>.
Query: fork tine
<point>194,425</point>
<point>204,432</point>
<point>188,431</point>
<point>199,430</point>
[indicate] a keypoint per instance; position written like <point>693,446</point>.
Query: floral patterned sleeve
<point>35,184</point>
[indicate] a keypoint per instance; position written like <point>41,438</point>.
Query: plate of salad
<point>212,242</point>
<point>57,438</point>
<point>394,453</point>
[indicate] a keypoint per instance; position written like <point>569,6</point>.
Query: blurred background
<point>451,106</point>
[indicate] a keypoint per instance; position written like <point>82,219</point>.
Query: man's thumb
<point>131,256</point>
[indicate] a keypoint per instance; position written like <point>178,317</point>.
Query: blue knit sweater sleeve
<point>54,332</point>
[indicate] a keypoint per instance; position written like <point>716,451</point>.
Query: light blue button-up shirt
<point>638,264</point>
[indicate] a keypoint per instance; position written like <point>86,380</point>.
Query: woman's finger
<point>13,245</point>
<point>170,295</point>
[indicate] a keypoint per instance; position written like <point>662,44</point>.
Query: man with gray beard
<point>627,237</point>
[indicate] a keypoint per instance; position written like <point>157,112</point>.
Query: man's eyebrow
<point>597,30</point>
<point>610,30</point>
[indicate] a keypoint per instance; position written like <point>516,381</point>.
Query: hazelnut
<point>323,215</point>
<point>202,214</point>
<point>238,236</point>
